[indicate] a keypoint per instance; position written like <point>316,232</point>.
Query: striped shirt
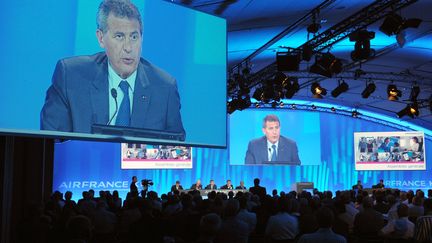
<point>423,229</point>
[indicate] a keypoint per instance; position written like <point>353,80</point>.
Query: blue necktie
<point>123,116</point>
<point>273,158</point>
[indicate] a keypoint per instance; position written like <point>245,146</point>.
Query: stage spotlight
<point>287,61</point>
<point>274,104</point>
<point>293,106</point>
<point>326,65</point>
<point>257,105</point>
<point>410,110</point>
<point>393,93</point>
<point>281,104</point>
<point>318,91</point>
<point>313,107</point>
<point>341,88</point>
<point>394,24</point>
<point>362,48</point>
<point>258,94</point>
<point>333,109</point>
<point>415,91</point>
<point>370,88</point>
<point>292,89</point>
<point>280,79</point>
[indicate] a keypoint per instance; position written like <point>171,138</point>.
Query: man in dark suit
<point>241,186</point>
<point>133,187</point>
<point>272,148</point>
<point>211,186</point>
<point>228,186</point>
<point>379,185</point>
<point>115,87</point>
<point>358,186</point>
<point>258,190</point>
<point>176,187</point>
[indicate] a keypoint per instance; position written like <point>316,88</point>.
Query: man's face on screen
<point>122,43</point>
<point>272,131</point>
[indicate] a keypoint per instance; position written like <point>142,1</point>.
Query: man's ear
<point>99,36</point>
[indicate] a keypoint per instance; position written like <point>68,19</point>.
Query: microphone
<point>114,95</point>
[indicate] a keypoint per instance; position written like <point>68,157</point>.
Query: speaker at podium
<point>301,186</point>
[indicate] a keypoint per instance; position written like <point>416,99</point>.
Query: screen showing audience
<point>294,134</point>
<point>389,151</point>
<point>183,66</point>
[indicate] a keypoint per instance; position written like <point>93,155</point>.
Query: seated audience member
<point>348,211</point>
<point>233,229</point>
<point>358,186</point>
<point>79,229</point>
<point>275,194</point>
<point>197,185</point>
<point>104,221</point>
<point>380,205</point>
<point>400,228</point>
<point>282,226</point>
<point>325,218</point>
<point>241,186</point>
<point>176,187</point>
<point>423,226</point>
<point>368,222</point>
<point>208,228</point>
<point>429,193</point>
<point>416,208</point>
<point>68,198</point>
<point>228,186</point>
<point>258,190</point>
<point>244,215</point>
<point>211,186</point>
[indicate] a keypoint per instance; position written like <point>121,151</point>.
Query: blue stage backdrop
<point>83,165</point>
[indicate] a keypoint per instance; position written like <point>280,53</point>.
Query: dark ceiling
<point>258,29</point>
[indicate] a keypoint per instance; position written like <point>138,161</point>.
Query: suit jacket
<point>240,187</point>
<point>226,187</point>
<point>195,187</point>
<point>259,190</point>
<point>173,188</point>
<point>208,187</point>
<point>287,153</point>
<point>79,97</point>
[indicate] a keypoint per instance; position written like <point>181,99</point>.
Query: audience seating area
<point>248,216</point>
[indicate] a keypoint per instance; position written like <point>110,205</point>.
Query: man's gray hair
<point>270,118</point>
<point>119,8</point>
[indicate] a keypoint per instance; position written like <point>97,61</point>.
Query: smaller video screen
<point>145,156</point>
<point>389,151</point>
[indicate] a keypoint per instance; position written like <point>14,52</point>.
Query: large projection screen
<point>187,44</point>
